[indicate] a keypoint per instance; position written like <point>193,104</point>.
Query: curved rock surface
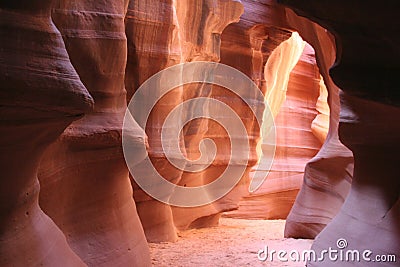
<point>369,126</point>
<point>186,31</point>
<point>320,125</point>
<point>204,44</point>
<point>153,45</point>
<point>246,46</point>
<point>292,66</point>
<point>40,95</point>
<point>85,186</point>
<point>327,176</point>
<point>89,216</point>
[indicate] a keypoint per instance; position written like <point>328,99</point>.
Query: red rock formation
<point>369,124</point>
<point>190,33</point>
<point>264,27</point>
<point>244,54</point>
<point>320,125</point>
<point>249,55</point>
<point>203,44</point>
<point>327,176</point>
<point>85,186</point>
<point>153,44</point>
<point>295,109</point>
<point>41,94</point>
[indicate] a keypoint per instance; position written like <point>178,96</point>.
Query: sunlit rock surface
<point>292,91</point>
<point>153,44</point>
<point>105,46</point>
<point>204,44</point>
<point>320,125</point>
<point>191,33</point>
<point>246,46</point>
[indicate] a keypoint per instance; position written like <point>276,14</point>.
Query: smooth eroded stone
<point>369,124</point>
<point>328,175</point>
<point>40,95</point>
<point>292,91</point>
<point>85,186</point>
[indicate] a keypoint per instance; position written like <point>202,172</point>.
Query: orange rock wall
<point>41,94</point>
<point>69,68</point>
<point>328,175</point>
<point>85,186</point>
<point>369,218</point>
<point>296,144</point>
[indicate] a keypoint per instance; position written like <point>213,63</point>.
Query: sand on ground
<point>235,242</point>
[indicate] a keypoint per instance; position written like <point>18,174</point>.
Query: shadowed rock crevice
<point>369,124</point>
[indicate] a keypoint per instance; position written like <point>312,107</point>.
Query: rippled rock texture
<point>41,94</point>
<point>369,121</point>
<point>327,176</point>
<point>69,68</point>
<point>246,46</point>
<point>85,187</point>
<point>184,31</point>
<point>153,45</point>
<point>293,87</point>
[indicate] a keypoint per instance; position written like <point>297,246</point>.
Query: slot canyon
<point>199,133</point>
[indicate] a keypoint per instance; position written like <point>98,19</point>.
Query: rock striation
<point>246,46</point>
<point>40,95</point>
<point>152,34</point>
<point>204,44</point>
<point>293,83</point>
<point>369,218</point>
<point>183,32</point>
<point>328,175</point>
<point>69,68</point>
<point>85,187</point>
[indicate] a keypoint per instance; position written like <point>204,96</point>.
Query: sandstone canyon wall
<point>153,44</point>
<point>328,175</point>
<point>264,27</point>
<point>208,215</point>
<point>41,94</point>
<point>292,66</point>
<point>190,33</point>
<point>369,126</point>
<point>85,186</point>
<point>85,213</point>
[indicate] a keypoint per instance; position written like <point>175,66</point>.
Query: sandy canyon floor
<point>234,242</point>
